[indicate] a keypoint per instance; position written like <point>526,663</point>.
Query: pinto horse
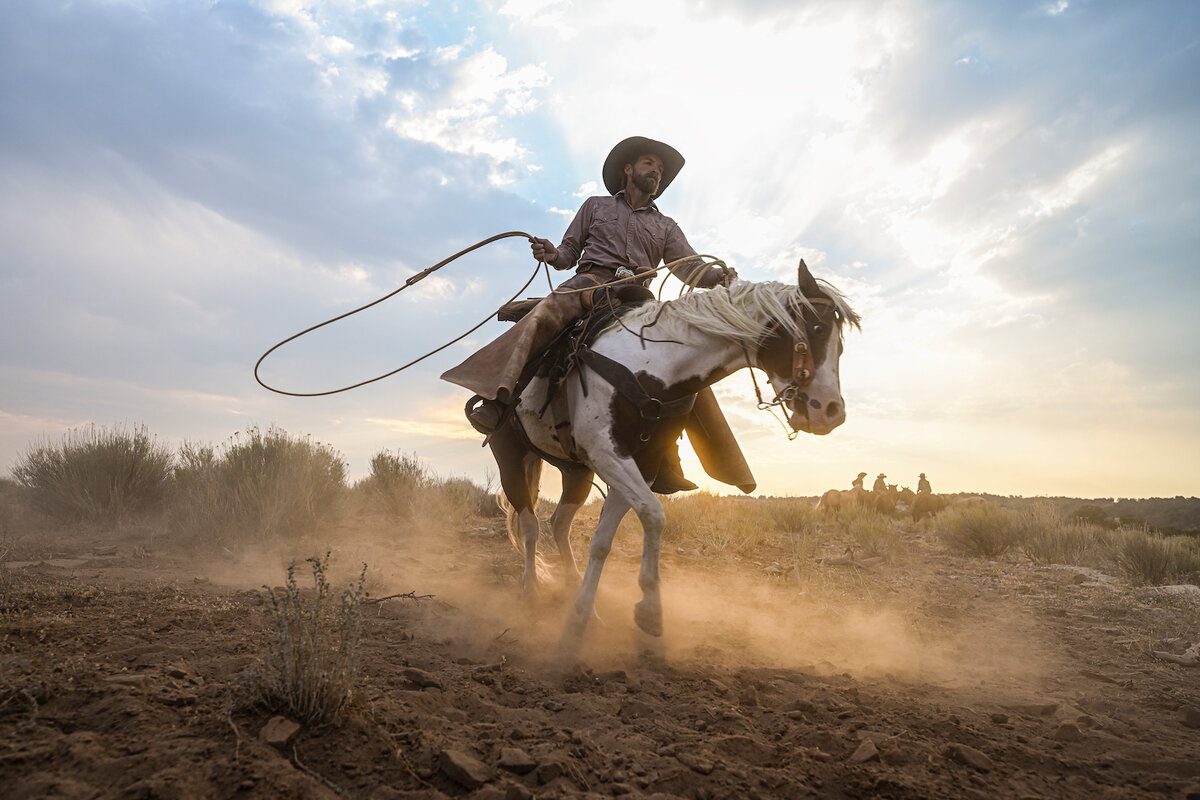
<point>615,424</point>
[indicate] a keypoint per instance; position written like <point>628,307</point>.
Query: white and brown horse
<point>613,422</point>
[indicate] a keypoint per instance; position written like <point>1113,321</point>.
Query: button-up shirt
<point>608,233</point>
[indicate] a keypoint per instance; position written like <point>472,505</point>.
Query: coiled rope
<point>429,271</point>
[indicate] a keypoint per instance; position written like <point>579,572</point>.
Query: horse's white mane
<point>742,312</point>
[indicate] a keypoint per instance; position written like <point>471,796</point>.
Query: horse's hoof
<point>649,620</point>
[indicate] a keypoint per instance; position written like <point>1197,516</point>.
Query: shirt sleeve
<point>690,272</point>
<point>571,246</point>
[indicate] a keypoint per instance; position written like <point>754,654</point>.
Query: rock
<point>128,679</point>
<point>865,752</point>
<point>111,550</point>
<point>514,759</point>
<point>278,731</point>
<point>696,763</point>
<point>999,719</point>
<point>634,709</point>
<point>465,770</point>
<point>1067,732</point>
<point>549,771</point>
<point>516,791</point>
<point>1189,716</point>
<point>748,696</point>
<point>1180,588</point>
<point>745,748</point>
<point>421,678</point>
<point>969,756</point>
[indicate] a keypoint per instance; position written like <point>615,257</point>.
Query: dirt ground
<point>933,676</point>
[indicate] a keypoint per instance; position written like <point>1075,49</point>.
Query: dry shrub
<point>400,487</point>
<point>1048,536</point>
<point>394,483</point>
<point>312,662</point>
<point>99,475</point>
<point>1149,559</point>
<point>984,530</point>
<point>264,485</point>
<point>875,533</point>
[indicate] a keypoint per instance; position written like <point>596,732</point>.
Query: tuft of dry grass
<point>875,533</point>
<point>96,474</point>
<point>311,667</point>
<point>712,523</point>
<point>984,530</point>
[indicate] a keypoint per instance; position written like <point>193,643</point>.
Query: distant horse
<point>622,403</point>
<point>835,500</point>
<point>928,505</point>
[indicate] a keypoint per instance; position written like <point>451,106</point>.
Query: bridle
<point>803,366</point>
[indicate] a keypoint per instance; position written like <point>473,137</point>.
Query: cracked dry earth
<point>929,676</point>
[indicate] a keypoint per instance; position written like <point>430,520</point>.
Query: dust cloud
<point>905,622</point>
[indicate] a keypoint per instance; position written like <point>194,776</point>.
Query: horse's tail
<point>513,529</point>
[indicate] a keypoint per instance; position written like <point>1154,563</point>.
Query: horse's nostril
<point>815,403</point>
<point>833,409</point>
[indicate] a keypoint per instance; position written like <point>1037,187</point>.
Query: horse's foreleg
<point>648,613</point>
<point>614,509</point>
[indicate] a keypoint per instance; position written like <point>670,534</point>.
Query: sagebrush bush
<point>311,666</point>
<point>978,530</point>
<point>400,487</point>
<point>1049,536</point>
<point>96,474</point>
<point>1149,559</point>
<point>394,483</point>
<point>259,486</point>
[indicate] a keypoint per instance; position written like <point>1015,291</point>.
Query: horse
<point>614,422</point>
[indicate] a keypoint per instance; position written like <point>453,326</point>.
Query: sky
<point>1008,193</point>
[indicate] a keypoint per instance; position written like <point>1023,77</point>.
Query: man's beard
<point>646,183</point>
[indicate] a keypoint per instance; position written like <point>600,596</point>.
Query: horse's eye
<point>818,330</point>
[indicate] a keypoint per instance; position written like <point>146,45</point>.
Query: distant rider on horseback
<point>612,237</point>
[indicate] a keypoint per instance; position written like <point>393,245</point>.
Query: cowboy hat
<point>627,151</point>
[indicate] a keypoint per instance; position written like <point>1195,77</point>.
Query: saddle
<point>571,347</point>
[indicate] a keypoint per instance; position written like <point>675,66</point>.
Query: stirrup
<point>483,414</point>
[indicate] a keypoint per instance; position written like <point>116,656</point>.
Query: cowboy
<point>857,483</point>
<point>879,485</point>
<point>612,237</point>
<point>923,486</point>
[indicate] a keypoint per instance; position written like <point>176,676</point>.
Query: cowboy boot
<point>485,415</point>
<point>670,477</point>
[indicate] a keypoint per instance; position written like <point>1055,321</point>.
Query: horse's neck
<point>673,362</point>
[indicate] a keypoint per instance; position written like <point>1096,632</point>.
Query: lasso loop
<point>430,270</point>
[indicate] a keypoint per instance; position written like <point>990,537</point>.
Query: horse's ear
<point>805,279</point>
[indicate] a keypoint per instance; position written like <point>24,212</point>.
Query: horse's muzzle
<point>812,416</point>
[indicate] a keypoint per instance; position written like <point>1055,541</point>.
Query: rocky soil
<point>124,666</point>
